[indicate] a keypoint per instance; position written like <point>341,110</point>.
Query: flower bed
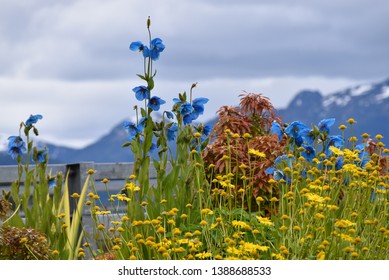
<point>252,187</point>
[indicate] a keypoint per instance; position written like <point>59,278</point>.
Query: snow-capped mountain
<point>368,104</point>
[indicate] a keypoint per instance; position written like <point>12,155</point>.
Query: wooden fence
<point>78,173</point>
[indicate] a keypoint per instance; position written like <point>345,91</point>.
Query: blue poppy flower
<point>41,155</point>
<point>364,156</point>
<point>361,147</point>
<point>171,132</point>
<point>155,103</point>
<point>138,46</point>
<point>309,153</point>
<point>336,141</point>
<point>207,130</point>
<point>169,115</point>
<point>200,101</point>
<point>197,110</point>
<point>33,119</point>
<point>289,160</point>
<point>270,170</point>
<point>277,130</point>
<point>309,137</point>
<point>131,128</point>
<point>15,141</point>
<point>16,146</point>
<point>296,129</point>
<point>141,93</point>
<point>142,124</point>
<point>325,124</point>
<point>278,175</point>
<point>186,108</point>
<point>156,47</point>
<point>188,119</point>
<point>176,100</point>
<point>339,163</point>
<point>198,105</point>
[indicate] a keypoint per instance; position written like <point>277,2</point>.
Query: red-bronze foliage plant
<point>238,130</point>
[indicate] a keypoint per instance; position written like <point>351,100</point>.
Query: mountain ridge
<point>368,104</point>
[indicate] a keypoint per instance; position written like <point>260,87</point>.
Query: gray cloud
<point>89,39</point>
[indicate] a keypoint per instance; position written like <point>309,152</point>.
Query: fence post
<point>77,177</point>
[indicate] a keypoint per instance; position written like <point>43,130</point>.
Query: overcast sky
<point>70,61</point>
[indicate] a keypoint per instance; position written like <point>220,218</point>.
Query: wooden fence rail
<point>78,173</point>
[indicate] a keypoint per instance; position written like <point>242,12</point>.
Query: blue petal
<point>276,129</point>
<point>270,170</point>
<point>146,52</point>
<point>325,124</point>
<point>200,100</point>
<point>136,46</point>
<point>169,115</point>
<point>33,119</point>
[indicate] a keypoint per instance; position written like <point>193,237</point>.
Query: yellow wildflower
<point>91,171</point>
<point>206,211</point>
<point>239,224</point>
<point>247,136</point>
<point>319,216</point>
<point>277,256</point>
<point>315,197</point>
<point>75,195</point>
<point>265,221</point>
<point>105,180</point>
<point>336,151</point>
<point>296,228</point>
<point>100,227</point>
<point>342,127</point>
<point>23,240</point>
<point>321,255</point>
<point>203,255</point>
<point>344,224</point>
<point>132,187</point>
<point>257,153</point>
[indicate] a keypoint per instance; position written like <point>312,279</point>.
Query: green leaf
<point>157,165</point>
<point>15,188</point>
<point>15,219</point>
<point>150,84</point>
<point>143,112</point>
<point>126,144</point>
<point>142,77</point>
